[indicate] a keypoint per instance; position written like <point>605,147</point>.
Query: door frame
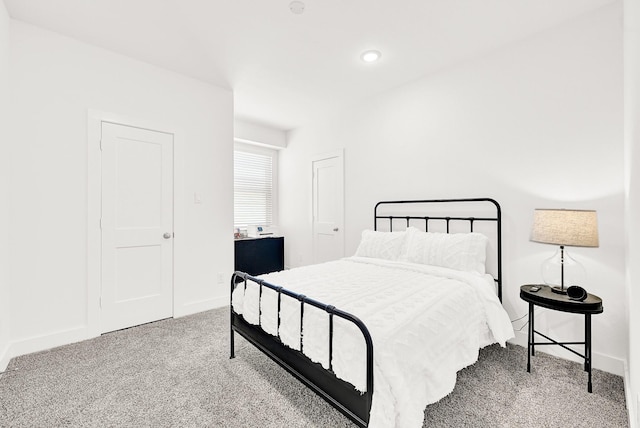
<point>94,204</point>
<point>338,153</point>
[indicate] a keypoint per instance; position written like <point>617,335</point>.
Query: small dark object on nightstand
<point>576,293</point>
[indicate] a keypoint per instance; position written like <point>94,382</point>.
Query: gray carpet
<point>176,373</point>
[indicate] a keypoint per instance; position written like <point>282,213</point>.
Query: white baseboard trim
<point>632,408</point>
<point>220,302</point>
<point>602,362</point>
<point>77,334</point>
<point>44,342</point>
<point>201,306</point>
<point>5,357</point>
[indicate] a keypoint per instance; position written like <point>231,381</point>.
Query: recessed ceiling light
<point>370,56</point>
<point>296,7</point>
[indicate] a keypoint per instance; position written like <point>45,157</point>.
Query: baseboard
<point>220,302</point>
<point>5,357</point>
<point>602,362</point>
<point>201,306</point>
<point>632,408</point>
<point>77,334</point>
<point>48,341</point>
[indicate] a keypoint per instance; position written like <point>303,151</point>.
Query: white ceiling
<point>286,69</point>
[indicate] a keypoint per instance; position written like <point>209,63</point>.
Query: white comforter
<point>426,322</point>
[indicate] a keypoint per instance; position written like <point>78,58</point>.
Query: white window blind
<point>252,189</point>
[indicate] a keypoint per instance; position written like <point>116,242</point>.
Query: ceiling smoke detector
<point>296,7</point>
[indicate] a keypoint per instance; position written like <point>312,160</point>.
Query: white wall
<point>536,124</point>
<point>632,168</point>
<point>4,190</point>
<point>254,133</point>
<point>55,81</point>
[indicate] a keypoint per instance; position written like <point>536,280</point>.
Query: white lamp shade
<point>575,228</point>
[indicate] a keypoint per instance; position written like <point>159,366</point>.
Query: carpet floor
<point>177,373</point>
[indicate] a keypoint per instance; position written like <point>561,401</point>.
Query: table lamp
<point>574,228</point>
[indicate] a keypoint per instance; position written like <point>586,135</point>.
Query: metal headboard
<point>497,218</point>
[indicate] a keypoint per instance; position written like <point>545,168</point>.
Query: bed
<point>411,308</point>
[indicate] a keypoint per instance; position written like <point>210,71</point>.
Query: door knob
<point>166,235</point>
<point>335,229</point>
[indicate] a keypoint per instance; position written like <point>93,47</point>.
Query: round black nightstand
<point>546,298</point>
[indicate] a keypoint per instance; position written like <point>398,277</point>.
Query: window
<point>254,185</point>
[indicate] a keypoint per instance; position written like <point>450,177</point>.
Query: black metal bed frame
<point>448,220</point>
<point>340,394</point>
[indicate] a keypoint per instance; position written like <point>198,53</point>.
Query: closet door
<point>328,207</point>
<point>137,226</point>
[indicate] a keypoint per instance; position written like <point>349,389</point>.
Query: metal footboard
<point>340,394</point>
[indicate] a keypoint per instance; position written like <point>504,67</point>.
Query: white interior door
<point>328,207</point>
<point>137,226</point>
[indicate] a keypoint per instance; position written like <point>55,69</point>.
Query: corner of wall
<point>4,179</point>
<point>5,357</point>
<point>632,203</point>
<point>634,417</point>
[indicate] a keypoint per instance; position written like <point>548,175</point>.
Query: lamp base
<point>561,270</point>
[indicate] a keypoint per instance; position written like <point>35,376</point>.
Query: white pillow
<point>382,245</point>
<point>461,251</point>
